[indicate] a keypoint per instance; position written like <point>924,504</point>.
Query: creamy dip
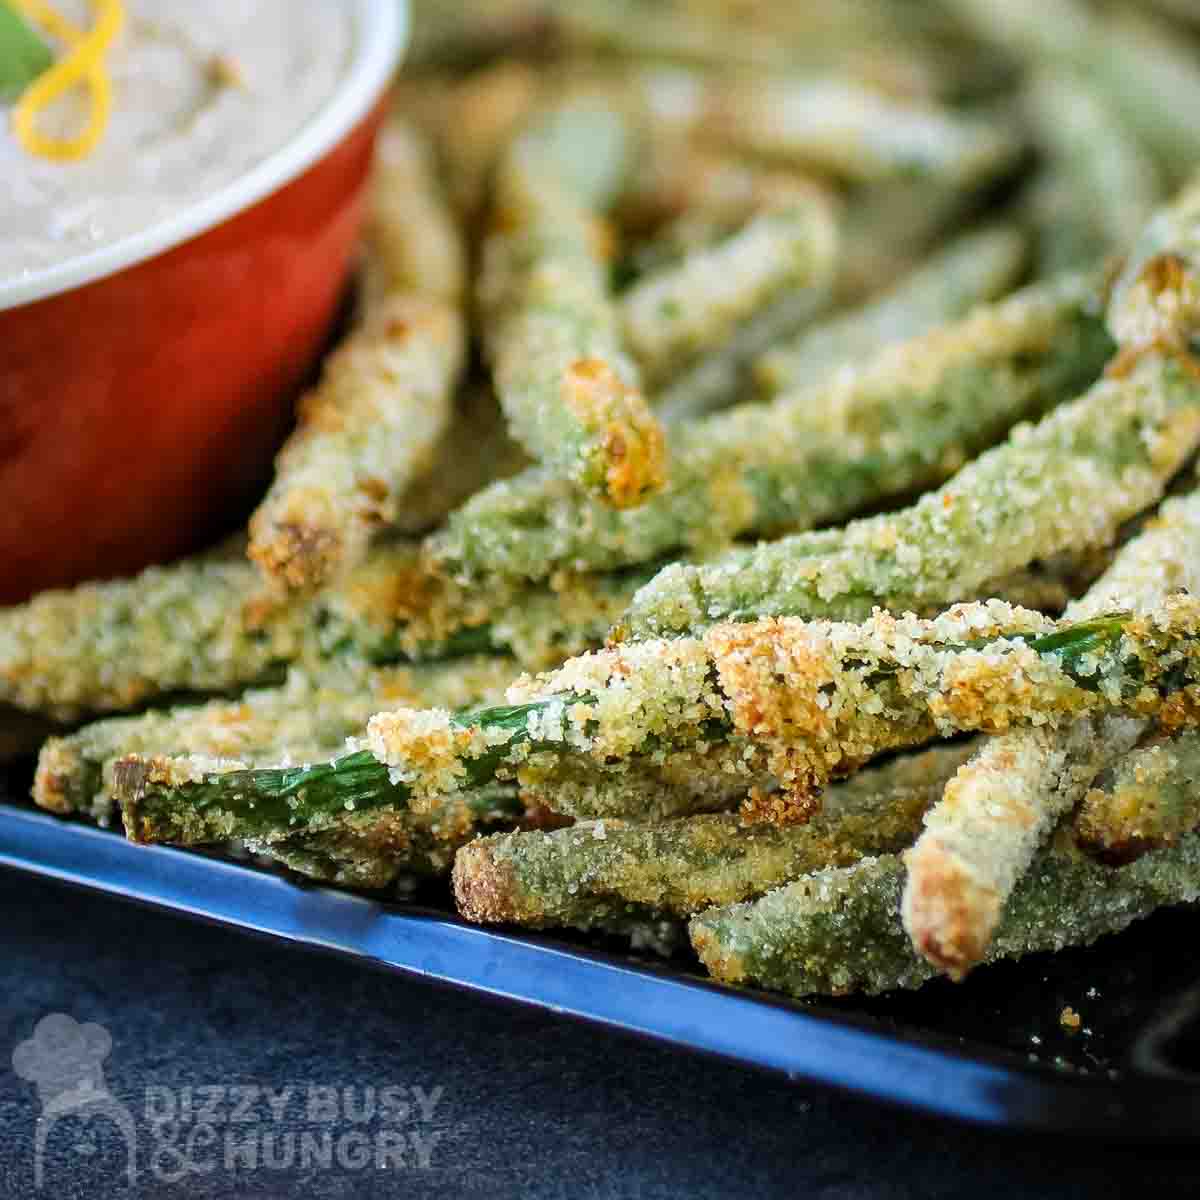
<point>203,90</point>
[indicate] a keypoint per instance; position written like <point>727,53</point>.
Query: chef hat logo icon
<point>65,1061</point>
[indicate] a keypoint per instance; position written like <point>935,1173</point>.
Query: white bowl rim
<point>381,34</point>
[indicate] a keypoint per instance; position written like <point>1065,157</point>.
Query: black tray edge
<point>745,1027</point>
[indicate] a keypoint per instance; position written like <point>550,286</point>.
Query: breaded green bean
<point>199,625</point>
<point>839,931</point>
<point>981,838</point>
<point>552,338</point>
<point>386,396</point>
<point>973,268</point>
<point>890,229</point>
<point>905,419</point>
<point>802,702</point>
<point>474,451</point>
<point>595,871</point>
<point>682,311</point>
<point>1067,482</point>
<point>206,624</point>
<point>1155,302</point>
<point>856,132</point>
<point>1100,187</point>
<point>1002,805</point>
<point>363,436</point>
<point>796,703</point>
<point>479,118</point>
<point>304,720</point>
<point>413,244</point>
<point>1147,799</point>
<point>722,378</point>
<point>1145,74</point>
<point>373,850</point>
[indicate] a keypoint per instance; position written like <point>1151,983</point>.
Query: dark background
<point>534,1106</point>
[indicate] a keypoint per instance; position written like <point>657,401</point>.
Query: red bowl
<point>140,406</point>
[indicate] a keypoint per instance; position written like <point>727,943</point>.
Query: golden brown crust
<point>484,888</point>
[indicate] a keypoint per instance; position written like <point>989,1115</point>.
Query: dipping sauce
<point>203,91</point>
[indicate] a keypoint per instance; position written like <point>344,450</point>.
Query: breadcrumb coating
<point>973,268</point>
<point>1147,799</point>
<point>305,720</point>
<point>1068,482</point>
<point>600,870</point>
<point>552,337</point>
<point>371,427</point>
<point>908,417</point>
<point>839,930</point>
<point>807,702</point>
<point>682,310</point>
<point>1003,804</point>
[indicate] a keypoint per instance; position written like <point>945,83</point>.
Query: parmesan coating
<point>1148,75</point>
<point>970,269</point>
<point>597,871</point>
<point>1098,187</point>
<point>208,625</point>
<point>552,336</point>
<point>1066,483</point>
<point>1147,799</point>
<point>413,245</point>
<point>363,436</point>
<point>685,309</point>
<point>857,132</point>
<point>1156,300</point>
<point>907,418</point>
<point>305,720</point>
<point>806,702</point>
<point>1002,805</point>
<point>839,930</point>
<point>386,396</point>
<point>982,836</point>
<point>200,625</point>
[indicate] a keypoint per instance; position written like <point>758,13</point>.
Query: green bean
<point>717,380</point>
<point>801,702</point>
<point>1068,482</point>
<point>364,435</point>
<point>1145,74</point>
<point>413,244</point>
<point>906,419</point>
<point>972,268</point>
<point>386,396</point>
<point>1099,189</point>
<point>1155,302</point>
<point>595,871</point>
<point>1146,800</point>
<point>858,133</point>
<point>206,625</point>
<point>570,396</point>
<point>376,850</point>
<point>684,310</point>
<point>1001,805</point>
<point>304,720</point>
<point>981,838</point>
<point>839,930</point>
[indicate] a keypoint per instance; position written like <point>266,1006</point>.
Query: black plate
<point>991,1050</point>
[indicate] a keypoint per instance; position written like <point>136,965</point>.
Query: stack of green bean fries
<point>753,506</point>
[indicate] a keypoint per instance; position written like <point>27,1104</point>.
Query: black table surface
<point>274,1062</point>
